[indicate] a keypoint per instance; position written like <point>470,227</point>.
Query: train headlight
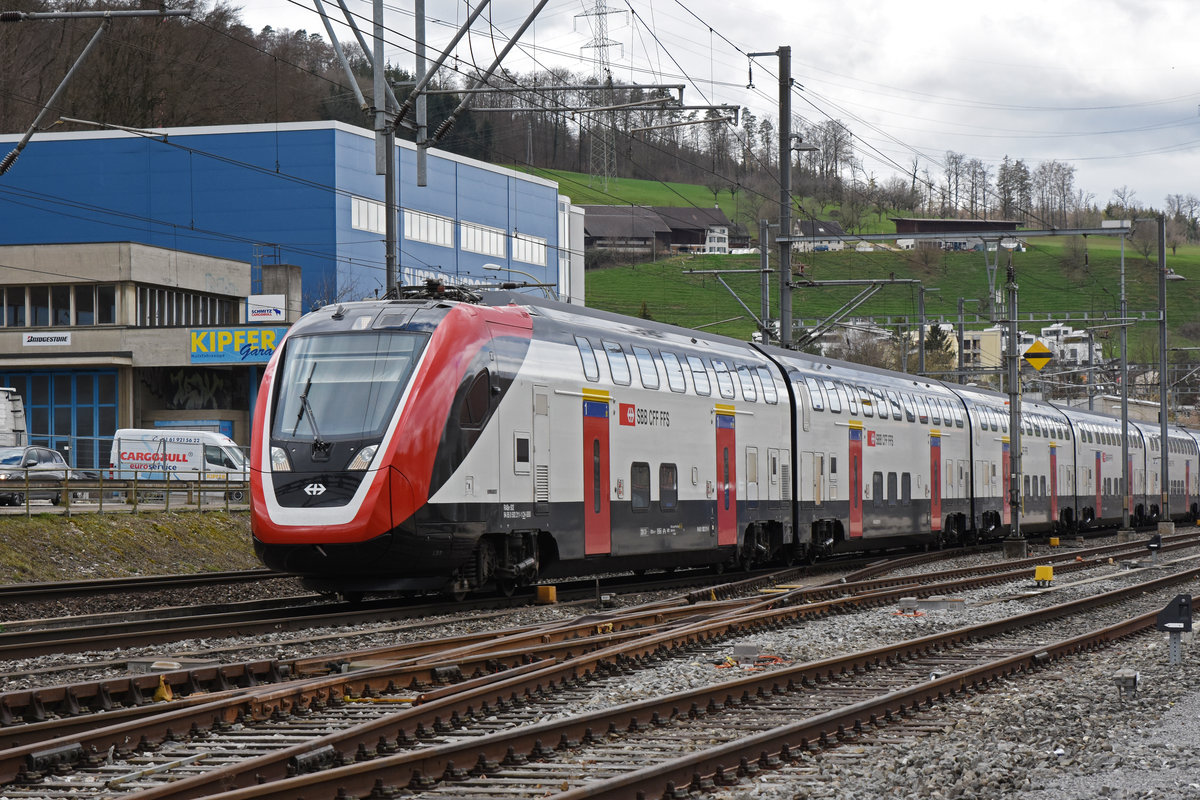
<point>364,457</point>
<point>279,460</point>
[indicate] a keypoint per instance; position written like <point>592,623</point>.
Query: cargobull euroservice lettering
<point>156,457</point>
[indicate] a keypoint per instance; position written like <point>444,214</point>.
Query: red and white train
<point>431,444</point>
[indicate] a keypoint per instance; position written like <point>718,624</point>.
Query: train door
<point>1006,478</point>
<point>856,489</point>
<point>752,476</point>
<point>597,522</point>
<point>935,481</point>
<point>1099,469</point>
<point>541,450</point>
<point>726,437</point>
<point>814,484</point>
<point>1053,481</point>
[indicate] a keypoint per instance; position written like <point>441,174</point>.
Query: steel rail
<point>391,773</point>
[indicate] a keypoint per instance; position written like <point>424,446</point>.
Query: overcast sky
<point>1107,86</point>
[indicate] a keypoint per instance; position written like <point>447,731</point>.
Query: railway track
<point>406,709</point>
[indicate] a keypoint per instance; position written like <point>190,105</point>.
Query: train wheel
<point>456,594</point>
<point>56,499</point>
<point>505,586</point>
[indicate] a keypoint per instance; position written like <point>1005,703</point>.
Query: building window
<point>158,308</point>
<point>14,307</point>
<point>428,228</point>
<point>368,215</point>
<point>39,306</point>
<point>530,249</point>
<point>475,238</point>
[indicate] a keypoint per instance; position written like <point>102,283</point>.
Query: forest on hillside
<point>209,68</point>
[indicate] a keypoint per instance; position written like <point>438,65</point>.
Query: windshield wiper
<point>305,407</point>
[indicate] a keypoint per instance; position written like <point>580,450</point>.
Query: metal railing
<point>88,494</point>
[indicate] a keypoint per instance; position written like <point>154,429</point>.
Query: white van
<point>170,453</point>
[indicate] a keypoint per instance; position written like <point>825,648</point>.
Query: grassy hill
<point>1054,277</point>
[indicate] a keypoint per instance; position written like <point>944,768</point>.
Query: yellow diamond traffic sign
<point>1038,355</point>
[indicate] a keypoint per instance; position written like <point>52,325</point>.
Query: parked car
<point>46,470</point>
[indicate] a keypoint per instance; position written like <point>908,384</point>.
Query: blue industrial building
<point>296,193</point>
<point>128,248</point>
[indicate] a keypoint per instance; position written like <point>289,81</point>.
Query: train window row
<point>1042,427</point>
<point>733,380</point>
<point>892,497</point>
<point>639,486</point>
<point>834,396</point>
<point>1093,434</point>
<point>1035,485</point>
<point>991,418</point>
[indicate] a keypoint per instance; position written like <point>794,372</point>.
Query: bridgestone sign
<point>44,339</point>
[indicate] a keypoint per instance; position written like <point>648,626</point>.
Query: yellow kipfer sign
<point>1038,355</point>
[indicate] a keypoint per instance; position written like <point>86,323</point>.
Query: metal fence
<point>99,494</point>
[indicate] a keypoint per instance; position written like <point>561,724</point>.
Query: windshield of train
<point>343,385</point>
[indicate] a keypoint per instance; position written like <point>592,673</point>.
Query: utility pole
<point>962,375</point>
<point>1165,525</point>
<point>764,230</point>
<point>785,196</point>
<point>1014,544</point>
<point>1126,471</point>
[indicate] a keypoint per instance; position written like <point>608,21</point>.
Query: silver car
<point>40,469</point>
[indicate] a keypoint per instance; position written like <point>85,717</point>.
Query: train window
<point>1042,485</point>
<point>591,370</point>
<point>905,488</point>
<point>617,363</point>
<point>814,394</point>
<point>675,377</point>
<point>668,487</point>
<point>646,367</point>
<point>639,486</point>
<point>935,411</point>
<point>891,490</point>
<point>724,380</point>
<point>922,410</point>
<point>847,391</point>
<point>877,488</point>
<point>835,401</point>
<point>768,385</point>
<point>1037,429</point>
<point>982,418</point>
<point>833,465</point>
<point>865,397</point>
<point>1026,482</point>
<point>894,400</point>
<point>909,403</point>
<point>747,380</point>
<point>699,376</point>
<point>521,452</point>
<point>597,491</point>
<point>993,419</point>
<point>959,415</point>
